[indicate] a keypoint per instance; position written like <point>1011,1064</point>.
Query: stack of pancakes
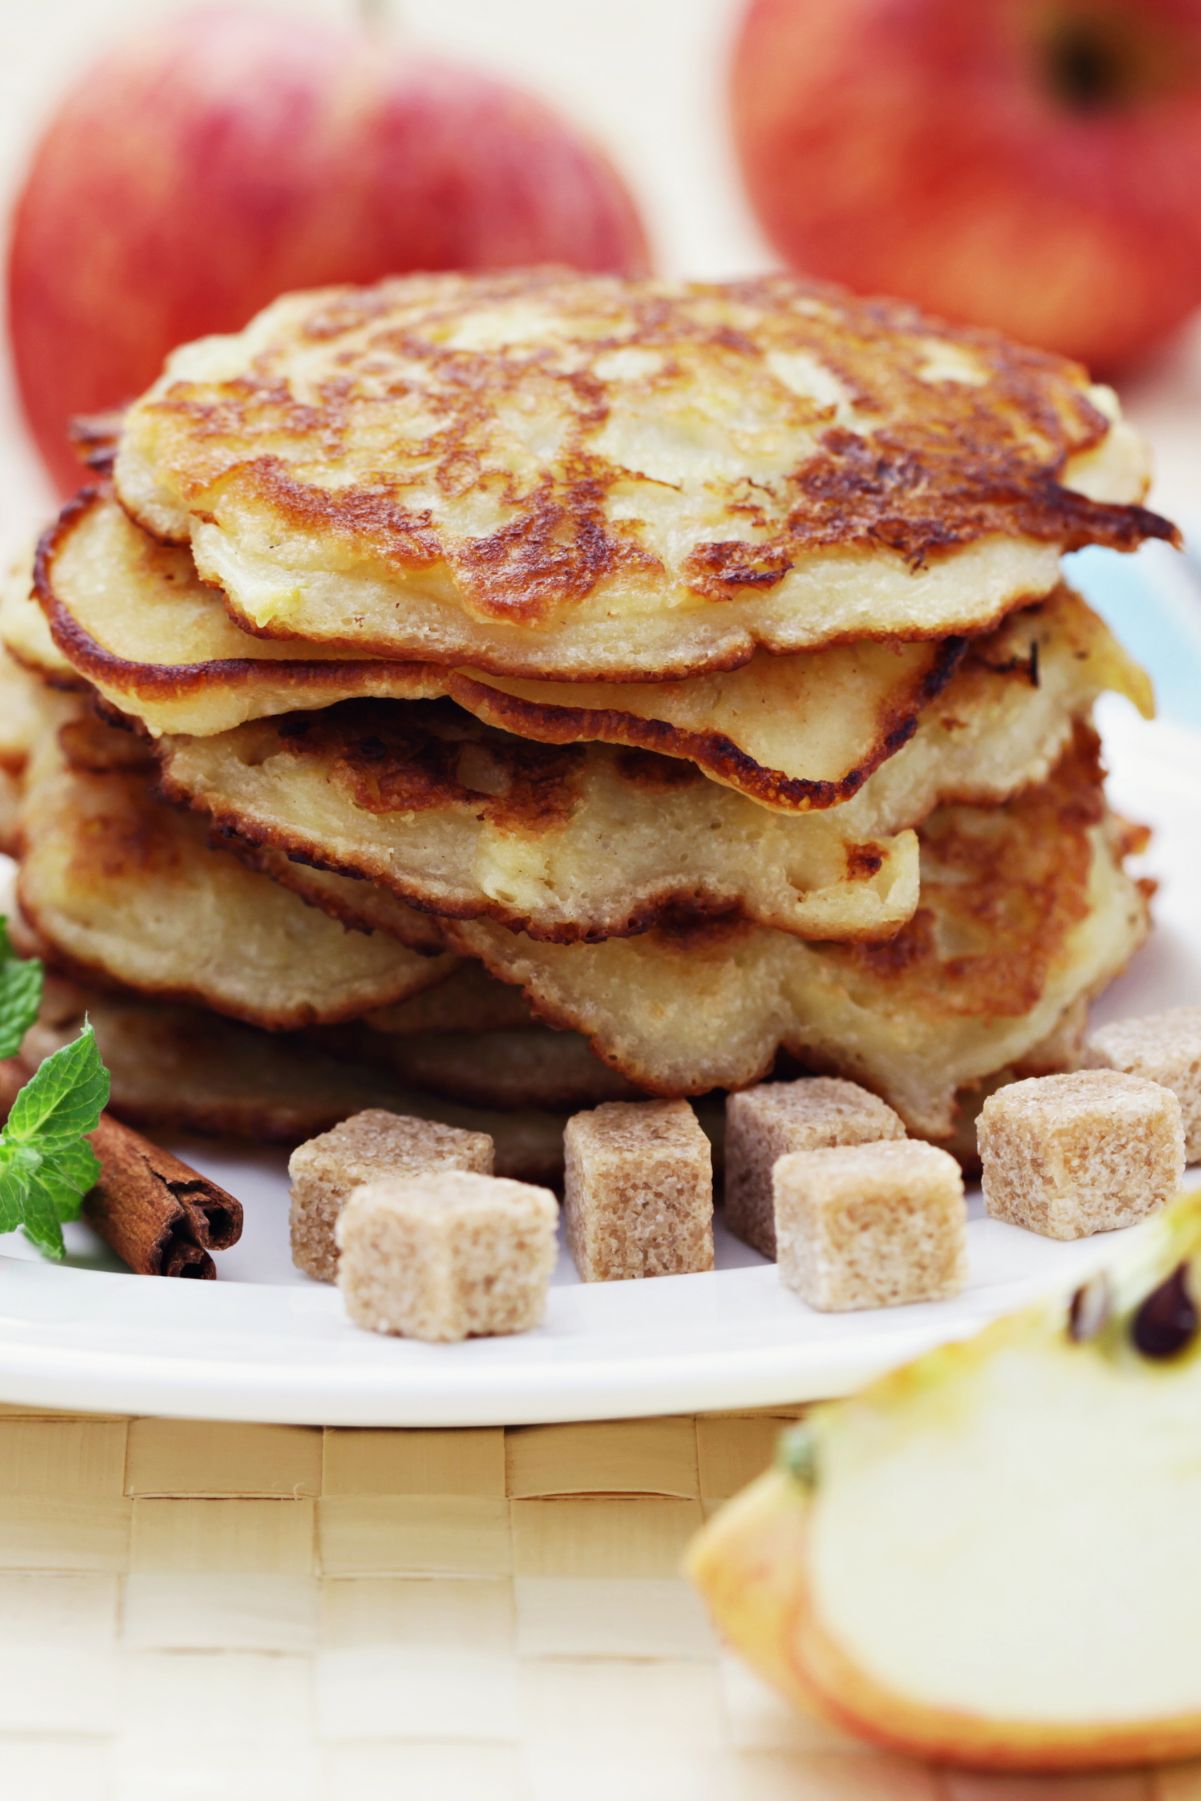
<point>528,690</point>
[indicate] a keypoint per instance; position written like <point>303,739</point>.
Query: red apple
<point>211,162</point>
<point>1029,164</point>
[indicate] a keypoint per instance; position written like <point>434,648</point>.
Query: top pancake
<point>579,477</point>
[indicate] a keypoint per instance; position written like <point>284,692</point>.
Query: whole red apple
<point>207,164</point>
<point>1029,164</point>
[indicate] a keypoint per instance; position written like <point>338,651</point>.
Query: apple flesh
<point>991,1557</point>
<point>224,156</point>
<point>1026,164</point>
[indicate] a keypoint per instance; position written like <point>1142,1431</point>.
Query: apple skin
<point>209,163</point>
<point>751,1566</point>
<point>919,1438</point>
<point>926,148</point>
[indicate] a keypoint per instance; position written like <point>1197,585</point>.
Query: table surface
<point>271,1613</point>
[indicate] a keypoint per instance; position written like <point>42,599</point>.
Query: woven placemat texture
<point>243,1613</point>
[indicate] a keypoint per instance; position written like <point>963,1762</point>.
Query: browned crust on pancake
<point>260,846</point>
<point>1022,896</point>
<point>409,761</point>
<point>57,679</point>
<point>882,492</point>
<point>1022,903</point>
<point>556,724</point>
<point>918,486</point>
<point>388,761</point>
<point>133,836</point>
<point>94,662</point>
<point>98,744</point>
<point>94,438</point>
<point>712,752</point>
<point>266,1019</point>
<point>359,906</point>
<point>548,723</point>
<point>556,551</point>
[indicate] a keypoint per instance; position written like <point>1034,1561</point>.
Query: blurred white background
<point>646,76</point>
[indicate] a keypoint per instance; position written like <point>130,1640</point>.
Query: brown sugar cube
<point>326,1170</point>
<point>771,1121</point>
<point>1164,1048</point>
<point>638,1196</point>
<point>871,1225</point>
<point>1075,1154</point>
<point>447,1255</point>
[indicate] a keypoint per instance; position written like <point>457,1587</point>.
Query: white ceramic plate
<point>263,1343</point>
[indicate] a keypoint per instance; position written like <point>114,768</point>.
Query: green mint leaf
<point>66,1172</point>
<point>39,1189</point>
<point>15,1170</point>
<point>46,1163</point>
<point>63,1099</point>
<point>20,994</point>
<point>42,1219</point>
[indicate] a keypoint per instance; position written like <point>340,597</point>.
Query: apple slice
<point>993,1556</point>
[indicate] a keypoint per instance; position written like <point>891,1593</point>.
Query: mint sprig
<point>20,994</point>
<point>46,1163</point>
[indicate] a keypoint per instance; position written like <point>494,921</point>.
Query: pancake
<point>20,717</point>
<point>27,710</point>
<point>791,732</point>
<point>177,1069</point>
<point>127,889</point>
<point>530,1066</point>
<point>135,621</point>
<point>25,637</point>
<point>547,474</point>
<point>130,617</point>
<point>1026,908</point>
<point>90,743</point>
<point>1007,717</point>
<point>568,842</point>
<point>94,439</point>
<point>591,842</point>
<point>10,811</point>
<point>469,1000</point>
<point>358,905</point>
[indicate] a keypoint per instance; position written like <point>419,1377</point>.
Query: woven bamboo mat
<point>240,1613</point>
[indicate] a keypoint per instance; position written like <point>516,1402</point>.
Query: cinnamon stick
<point>158,1214</point>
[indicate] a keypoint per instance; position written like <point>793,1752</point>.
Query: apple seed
<point>1167,1320</point>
